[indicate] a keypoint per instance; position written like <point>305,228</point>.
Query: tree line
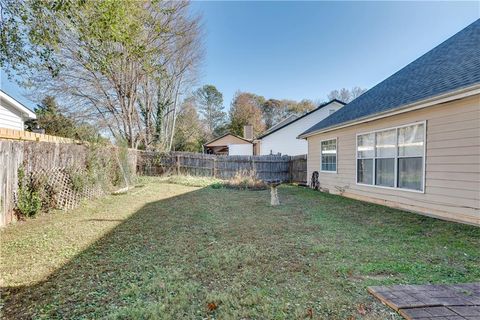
<point>202,115</point>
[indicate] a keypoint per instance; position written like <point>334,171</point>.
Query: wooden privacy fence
<point>285,168</point>
<point>53,164</point>
<point>12,134</point>
<point>298,169</point>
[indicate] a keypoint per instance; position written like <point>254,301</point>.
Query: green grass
<point>167,251</point>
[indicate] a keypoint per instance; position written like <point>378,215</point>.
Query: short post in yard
<point>274,201</point>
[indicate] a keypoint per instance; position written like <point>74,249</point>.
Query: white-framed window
<point>331,111</point>
<point>393,157</point>
<point>328,155</point>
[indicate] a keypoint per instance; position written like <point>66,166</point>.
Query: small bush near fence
<point>29,201</point>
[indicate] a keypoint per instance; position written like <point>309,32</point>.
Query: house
<point>13,114</point>
<point>282,138</point>
<point>232,145</point>
<point>413,140</point>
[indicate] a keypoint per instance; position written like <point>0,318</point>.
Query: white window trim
<point>424,122</point>
<point>336,155</point>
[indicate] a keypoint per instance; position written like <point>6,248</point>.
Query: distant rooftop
<point>289,121</point>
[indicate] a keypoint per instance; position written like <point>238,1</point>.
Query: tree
<point>274,110</point>
<point>346,95</point>
<point>302,107</point>
<point>51,120</point>
<point>190,134</point>
<point>210,105</point>
<point>269,112</point>
<point>56,123</point>
<point>246,109</point>
<point>123,62</point>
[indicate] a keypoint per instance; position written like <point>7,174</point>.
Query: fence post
<point>215,167</point>
<point>177,163</point>
<point>290,169</point>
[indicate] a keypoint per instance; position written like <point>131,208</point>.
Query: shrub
<point>217,185</point>
<point>246,179</point>
<point>29,201</point>
<point>78,178</point>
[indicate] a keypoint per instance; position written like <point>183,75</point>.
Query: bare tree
<point>274,111</point>
<point>181,57</point>
<point>346,95</point>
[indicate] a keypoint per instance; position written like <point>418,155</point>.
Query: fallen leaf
<point>361,309</point>
<point>212,306</point>
<point>310,313</point>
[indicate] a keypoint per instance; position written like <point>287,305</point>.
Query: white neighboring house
<point>240,150</point>
<point>13,114</point>
<point>282,138</point>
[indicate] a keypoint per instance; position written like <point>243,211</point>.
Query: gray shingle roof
<point>452,65</point>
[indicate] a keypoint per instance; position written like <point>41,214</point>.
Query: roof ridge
<point>301,117</point>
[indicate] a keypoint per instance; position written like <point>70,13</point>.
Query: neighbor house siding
<point>225,141</point>
<point>285,140</point>
<point>10,119</point>
<point>452,164</point>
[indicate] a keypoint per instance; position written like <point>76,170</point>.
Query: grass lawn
<point>168,251</point>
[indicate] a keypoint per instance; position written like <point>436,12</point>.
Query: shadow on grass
<point>105,220</point>
<point>103,277</point>
<point>174,256</point>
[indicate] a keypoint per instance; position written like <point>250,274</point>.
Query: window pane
<point>329,162</point>
<point>329,146</point>
<point>365,144</point>
<point>410,173</point>
<point>386,143</point>
<point>329,155</point>
<point>365,171</point>
<point>385,172</point>
<point>410,141</point>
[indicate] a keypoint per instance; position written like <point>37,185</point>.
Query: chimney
<point>248,132</point>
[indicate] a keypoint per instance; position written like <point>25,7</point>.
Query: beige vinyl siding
<point>452,163</point>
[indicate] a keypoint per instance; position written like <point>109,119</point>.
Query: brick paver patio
<point>432,302</point>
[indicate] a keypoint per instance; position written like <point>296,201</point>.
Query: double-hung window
<point>328,155</point>
<point>392,157</point>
